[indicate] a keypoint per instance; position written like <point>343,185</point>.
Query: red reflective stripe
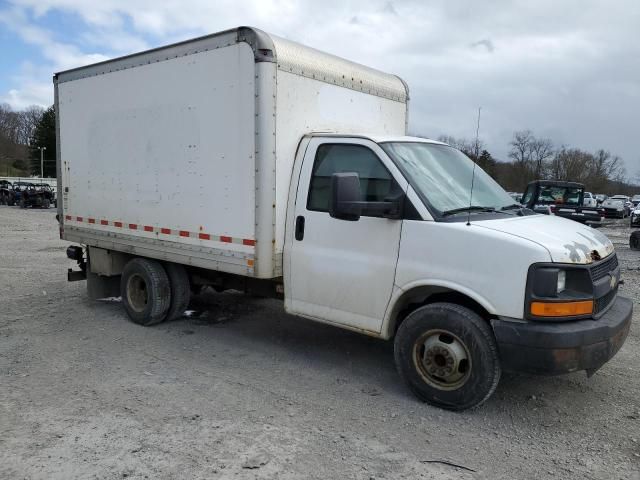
<point>166,231</point>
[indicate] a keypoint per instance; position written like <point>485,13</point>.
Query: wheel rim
<point>137,294</point>
<point>442,359</point>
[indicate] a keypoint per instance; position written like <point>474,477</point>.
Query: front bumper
<point>613,213</point>
<point>635,220</point>
<point>581,217</point>
<point>548,348</point>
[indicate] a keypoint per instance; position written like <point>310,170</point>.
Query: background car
<point>601,197</point>
<point>7,195</point>
<point>589,200</point>
<point>39,196</point>
<point>48,188</point>
<point>18,188</point>
<point>634,218</point>
<point>635,200</point>
<point>560,198</point>
<point>618,206</point>
<point>516,196</point>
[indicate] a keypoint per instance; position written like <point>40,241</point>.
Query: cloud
<point>486,43</point>
<point>565,69</point>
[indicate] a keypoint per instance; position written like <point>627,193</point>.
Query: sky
<point>567,70</point>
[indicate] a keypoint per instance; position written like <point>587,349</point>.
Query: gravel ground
<point>240,390</point>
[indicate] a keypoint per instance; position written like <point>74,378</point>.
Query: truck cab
<point>385,237</point>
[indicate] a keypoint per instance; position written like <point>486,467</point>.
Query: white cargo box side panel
<point>162,156</point>
<point>305,105</point>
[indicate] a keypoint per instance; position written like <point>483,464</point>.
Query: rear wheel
<point>448,356</point>
<point>180,290</point>
<point>634,240</point>
<point>23,204</point>
<point>145,291</point>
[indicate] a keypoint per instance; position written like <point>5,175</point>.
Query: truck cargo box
<point>184,153</point>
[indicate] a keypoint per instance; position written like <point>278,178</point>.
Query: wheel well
<point>418,297</point>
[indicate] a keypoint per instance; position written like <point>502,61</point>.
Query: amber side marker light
<point>561,309</point>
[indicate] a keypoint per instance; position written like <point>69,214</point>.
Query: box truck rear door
<point>343,271</point>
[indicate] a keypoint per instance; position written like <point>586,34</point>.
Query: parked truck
<point>245,161</point>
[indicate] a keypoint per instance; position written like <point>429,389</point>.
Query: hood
<point>565,240</point>
<point>613,202</point>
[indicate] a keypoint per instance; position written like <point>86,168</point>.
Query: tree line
<point>537,158</point>
<point>21,133</point>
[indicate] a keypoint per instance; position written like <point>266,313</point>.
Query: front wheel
<point>448,356</point>
<point>634,240</point>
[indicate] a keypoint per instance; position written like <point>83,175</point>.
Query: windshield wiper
<point>513,206</point>
<point>472,208</point>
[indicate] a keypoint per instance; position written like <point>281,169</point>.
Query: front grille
<point>603,302</point>
<point>602,268</point>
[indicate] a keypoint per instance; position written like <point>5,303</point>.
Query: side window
<point>526,198</point>
<point>375,180</point>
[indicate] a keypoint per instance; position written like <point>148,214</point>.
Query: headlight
<point>558,293</point>
<point>562,281</point>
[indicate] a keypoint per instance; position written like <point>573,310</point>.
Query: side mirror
<point>345,200</point>
<point>344,197</point>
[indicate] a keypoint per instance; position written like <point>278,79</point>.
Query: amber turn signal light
<point>561,309</point>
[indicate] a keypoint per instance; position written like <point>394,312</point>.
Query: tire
<point>634,240</point>
<point>145,291</point>
<point>23,204</point>
<point>180,290</point>
<point>46,203</point>
<point>441,335</point>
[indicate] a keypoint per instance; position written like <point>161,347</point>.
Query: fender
<point>396,302</point>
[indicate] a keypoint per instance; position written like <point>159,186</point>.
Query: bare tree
<point>521,147</point>
<point>541,151</point>
<point>29,119</point>
<point>471,148</point>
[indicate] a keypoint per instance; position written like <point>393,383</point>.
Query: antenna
<point>473,173</point>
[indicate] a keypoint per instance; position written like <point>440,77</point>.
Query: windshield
<point>559,195</point>
<point>441,175</point>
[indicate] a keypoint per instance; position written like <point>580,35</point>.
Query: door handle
<point>299,233</point>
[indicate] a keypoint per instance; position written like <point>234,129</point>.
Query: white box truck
<point>242,160</point>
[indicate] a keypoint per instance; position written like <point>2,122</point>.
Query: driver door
<point>342,271</point>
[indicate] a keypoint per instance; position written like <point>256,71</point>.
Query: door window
<point>526,198</point>
<point>375,180</point>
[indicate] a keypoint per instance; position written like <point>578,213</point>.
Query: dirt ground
<point>240,389</point>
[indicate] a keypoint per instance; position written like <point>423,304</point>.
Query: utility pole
<point>42,149</point>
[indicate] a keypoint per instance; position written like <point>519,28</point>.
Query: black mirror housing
<point>344,196</point>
